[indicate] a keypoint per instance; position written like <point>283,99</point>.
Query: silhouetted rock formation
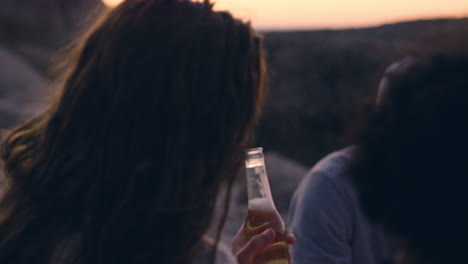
<point>31,32</point>
<point>36,29</point>
<point>21,87</point>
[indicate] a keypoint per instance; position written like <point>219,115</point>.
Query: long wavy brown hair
<point>158,100</point>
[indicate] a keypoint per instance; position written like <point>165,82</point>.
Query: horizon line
<point>357,26</point>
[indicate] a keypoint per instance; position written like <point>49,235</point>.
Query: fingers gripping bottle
<point>262,213</point>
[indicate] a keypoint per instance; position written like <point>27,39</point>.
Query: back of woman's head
<point>159,98</point>
<point>411,166</point>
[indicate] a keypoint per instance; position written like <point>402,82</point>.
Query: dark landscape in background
<point>319,79</point>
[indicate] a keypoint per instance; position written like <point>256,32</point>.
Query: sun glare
<point>112,3</point>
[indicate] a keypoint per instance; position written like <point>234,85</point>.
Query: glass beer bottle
<point>262,213</point>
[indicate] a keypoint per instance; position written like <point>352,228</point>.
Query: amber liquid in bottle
<point>262,213</point>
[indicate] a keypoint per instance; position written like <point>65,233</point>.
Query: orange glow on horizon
<point>303,14</point>
<point>112,3</point>
<point>308,14</point>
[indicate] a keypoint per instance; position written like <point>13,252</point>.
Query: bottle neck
<point>258,187</point>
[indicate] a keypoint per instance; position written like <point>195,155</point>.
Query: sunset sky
<point>304,14</point>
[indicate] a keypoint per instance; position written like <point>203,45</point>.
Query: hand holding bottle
<point>245,250</point>
<point>264,238</point>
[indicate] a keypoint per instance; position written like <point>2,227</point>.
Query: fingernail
<point>392,67</point>
<point>269,234</point>
<point>401,66</point>
<point>406,64</point>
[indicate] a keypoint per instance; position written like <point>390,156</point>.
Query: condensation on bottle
<point>262,213</point>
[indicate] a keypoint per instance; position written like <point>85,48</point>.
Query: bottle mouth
<point>254,151</point>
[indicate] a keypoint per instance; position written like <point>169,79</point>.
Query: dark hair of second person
<point>411,162</point>
<point>157,103</point>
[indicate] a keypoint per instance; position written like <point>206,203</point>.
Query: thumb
<point>254,246</point>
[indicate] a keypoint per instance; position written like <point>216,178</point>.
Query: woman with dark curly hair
<point>157,102</point>
<point>410,166</point>
<point>325,213</point>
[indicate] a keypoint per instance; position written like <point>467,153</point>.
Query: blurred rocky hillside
<point>31,33</point>
<point>319,79</point>
<point>36,29</point>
